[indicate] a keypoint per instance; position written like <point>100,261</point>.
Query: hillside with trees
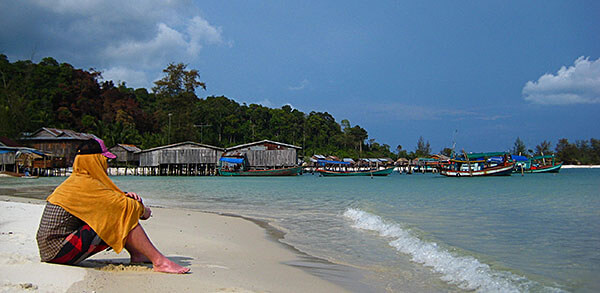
<point>53,94</point>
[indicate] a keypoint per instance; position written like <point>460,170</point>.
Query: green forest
<point>53,94</point>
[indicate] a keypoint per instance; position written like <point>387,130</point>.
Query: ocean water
<point>420,232</point>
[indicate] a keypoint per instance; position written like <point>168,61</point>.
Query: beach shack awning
<point>232,160</point>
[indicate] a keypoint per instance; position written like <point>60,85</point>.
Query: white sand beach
<point>225,254</point>
<point>580,166</point>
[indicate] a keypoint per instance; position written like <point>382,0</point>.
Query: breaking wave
<point>466,272</point>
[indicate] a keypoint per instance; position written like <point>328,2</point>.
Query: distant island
<point>53,94</point>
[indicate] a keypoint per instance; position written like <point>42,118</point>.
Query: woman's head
<point>91,164</point>
<point>94,146</point>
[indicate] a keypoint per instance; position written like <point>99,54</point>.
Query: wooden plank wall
<point>123,155</point>
<point>271,158</point>
<point>65,149</point>
<point>180,156</point>
<point>7,158</point>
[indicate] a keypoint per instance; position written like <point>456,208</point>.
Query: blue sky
<point>479,72</point>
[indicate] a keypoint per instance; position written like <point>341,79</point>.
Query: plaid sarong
<point>63,238</point>
<point>79,245</point>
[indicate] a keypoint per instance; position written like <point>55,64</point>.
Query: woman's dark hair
<point>90,146</point>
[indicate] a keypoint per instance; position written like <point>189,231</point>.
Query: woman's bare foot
<point>140,258</point>
<point>167,266</point>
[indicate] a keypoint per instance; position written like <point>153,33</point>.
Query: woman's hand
<point>147,213</point>
<point>134,196</point>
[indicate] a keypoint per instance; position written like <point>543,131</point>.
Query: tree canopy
<point>53,94</point>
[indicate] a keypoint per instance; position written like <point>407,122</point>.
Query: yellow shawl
<point>91,196</point>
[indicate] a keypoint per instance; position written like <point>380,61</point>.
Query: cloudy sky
<point>481,73</point>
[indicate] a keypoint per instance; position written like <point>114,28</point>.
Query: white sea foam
<point>466,272</point>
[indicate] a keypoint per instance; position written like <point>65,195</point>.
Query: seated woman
<point>88,213</point>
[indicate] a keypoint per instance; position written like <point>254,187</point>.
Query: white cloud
<point>303,84</point>
<point>265,102</point>
<point>577,84</point>
<point>167,43</point>
<point>123,37</point>
<point>132,78</point>
<point>200,31</point>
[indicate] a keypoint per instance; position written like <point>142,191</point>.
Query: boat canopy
<point>427,159</point>
<point>232,160</point>
<point>519,158</point>
<point>496,159</point>
<point>543,157</point>
<point>325,162</point>
<point>486,155</point>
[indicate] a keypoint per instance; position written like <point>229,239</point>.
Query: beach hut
<point>402,162</point>
<point>267,154</point>
<point>127,154</point>
<point>61,143</point>
<point>184,158</point>
<point>18,159</point>
<point>7,159</point>
<point>7,154</point>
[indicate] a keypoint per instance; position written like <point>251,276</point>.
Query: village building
<point>8,150</point>
<point>185,158</point>
<point>127,154</point>
<point>267,154</point>
<point>128,159</point>
<point>60,143</point>
<point>16,160</point>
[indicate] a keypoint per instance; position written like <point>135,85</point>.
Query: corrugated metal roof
<point>349,160</point>
<point>60,134</point>
<point>261,142</point>
<point>129,147</point>
<point>5,141</point>
<point>182,143</point>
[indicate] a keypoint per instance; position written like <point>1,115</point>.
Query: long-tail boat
<point>371,172</point>
<point>341,168</point>
<point>479,164</point>
<point>237,166</point>
<point>540,164</point>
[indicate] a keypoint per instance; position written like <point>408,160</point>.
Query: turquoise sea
<point>415,233</point>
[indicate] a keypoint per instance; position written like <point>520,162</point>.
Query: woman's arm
<point>147,213</point>
<point>134,196</point>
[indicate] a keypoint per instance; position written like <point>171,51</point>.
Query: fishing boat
<point>541,164</point>
<point>479,164</point>
<point>291,171</point>
<point>237,166</point>
<point>371,172</point>
<point>344,168</point>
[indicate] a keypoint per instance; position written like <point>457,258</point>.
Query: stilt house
<point>61,143</point>
<point>127,154</point>
<point>266,154</point>
<point>185,158</point>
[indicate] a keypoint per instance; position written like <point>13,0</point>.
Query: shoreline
<point>226,252</point>
<point>580,166</point>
